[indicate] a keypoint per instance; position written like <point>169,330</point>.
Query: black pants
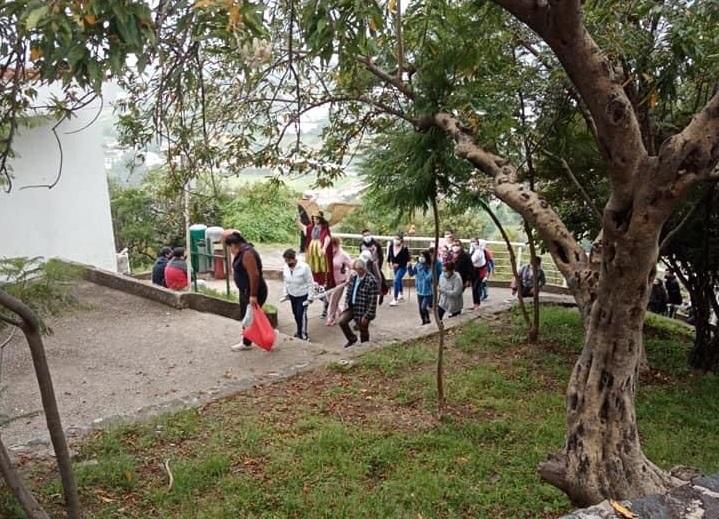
<point>245,301</point>
<point>424,303</point>
<point>299,310</point>
<point>344,321</point>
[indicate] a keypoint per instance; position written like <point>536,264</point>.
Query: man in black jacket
<point>158,269</point>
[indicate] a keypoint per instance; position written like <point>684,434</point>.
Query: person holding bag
<point>247,272</point>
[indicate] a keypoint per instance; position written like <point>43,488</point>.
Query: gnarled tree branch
<point>691,155</point>
<point>570,258</point>
<point>559,24</point>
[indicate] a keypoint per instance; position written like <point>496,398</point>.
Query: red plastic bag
<point>260,332</point>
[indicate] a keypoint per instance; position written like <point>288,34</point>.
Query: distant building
<point>73,219</point>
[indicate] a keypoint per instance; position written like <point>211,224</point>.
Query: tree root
<point>554,471</point>
<point>657,481</point>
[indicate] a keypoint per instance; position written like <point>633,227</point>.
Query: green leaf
<point>34,17</point>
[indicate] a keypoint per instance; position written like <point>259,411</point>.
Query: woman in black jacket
<point>398,257</point>
<point>463,263</point>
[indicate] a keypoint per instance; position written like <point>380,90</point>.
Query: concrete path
<point>121,357</point>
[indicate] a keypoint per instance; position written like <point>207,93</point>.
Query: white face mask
<point>456,249</point>
<point>367,239</point>
<point>447,273</point>
<point>422,259</point>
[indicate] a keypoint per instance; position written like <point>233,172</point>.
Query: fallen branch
<point>166,466</point>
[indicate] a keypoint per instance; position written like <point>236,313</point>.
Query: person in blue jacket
<point>422,271</point>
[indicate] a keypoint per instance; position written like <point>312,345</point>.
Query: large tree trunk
<point>603,456</point>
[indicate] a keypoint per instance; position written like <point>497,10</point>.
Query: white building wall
<point>72,220</point>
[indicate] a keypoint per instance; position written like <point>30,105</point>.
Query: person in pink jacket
<point>341,266</point>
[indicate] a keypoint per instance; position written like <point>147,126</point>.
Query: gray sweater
<point>450,293</point>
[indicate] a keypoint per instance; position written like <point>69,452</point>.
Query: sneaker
<point>241,347</point>
<point>401,297</point>
<point>351,343</point>
<point>393,302</point>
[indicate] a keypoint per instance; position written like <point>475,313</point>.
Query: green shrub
<point>264,212</point>
<point>46,287</point>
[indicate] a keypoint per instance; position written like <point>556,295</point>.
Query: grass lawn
<point>363,441</point>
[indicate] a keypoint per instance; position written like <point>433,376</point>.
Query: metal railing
<point>502,269</point>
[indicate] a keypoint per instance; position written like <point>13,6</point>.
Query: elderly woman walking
<point>341,266</point>
<point>450,289</point>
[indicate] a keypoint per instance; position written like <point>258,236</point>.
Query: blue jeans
<point>477,290</point>
<point>425,303</point>
<point>399,273</point>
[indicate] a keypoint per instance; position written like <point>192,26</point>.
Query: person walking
<point>304,218</point>
<point>360,302</point>
<point>450,291</point>
<point>341,266</point>
<point>297,283</point>
<point>479,263</point>
<point>527,284</point>
<point>490,269</point>
<point>445,245</point>
<point>658,298</point>
<point>248,276</point>
<point>398,257</point>
<point>176,270</point>
<point>674,293</point>
<point>422,271</point>
<point>158,269</point>
<point>462,263</point>
<point>371,245</point>
<point>319,249</point>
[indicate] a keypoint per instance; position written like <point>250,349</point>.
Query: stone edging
<point>697,499</point>
<point>179,300</point>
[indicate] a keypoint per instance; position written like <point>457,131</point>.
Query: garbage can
<point>197,244</point>
<point>214,234</point>
<point>219,270</point>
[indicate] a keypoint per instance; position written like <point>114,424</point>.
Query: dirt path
<point>121,357</point>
